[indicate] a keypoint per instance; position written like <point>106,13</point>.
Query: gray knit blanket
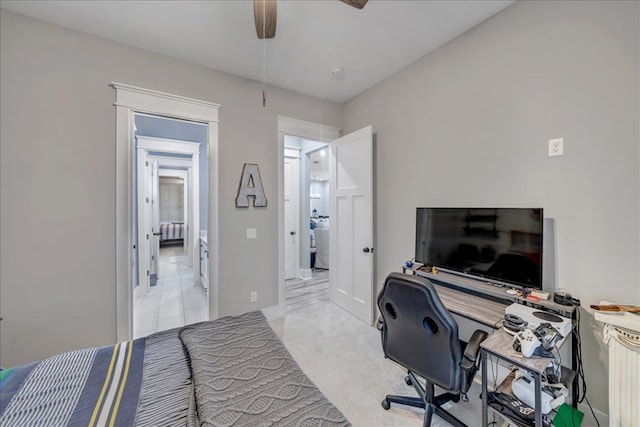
<point>244,376</point>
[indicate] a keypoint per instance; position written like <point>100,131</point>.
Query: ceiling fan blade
<point>359,4</point>
<point>264,12</point>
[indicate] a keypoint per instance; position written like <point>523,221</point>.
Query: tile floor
<point>174,301</point>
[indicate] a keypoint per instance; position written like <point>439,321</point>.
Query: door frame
<point>306,130</point>
<point>294,153</point>
<point>184,174</point>
<point>128,101</point>
<point>192,232</point>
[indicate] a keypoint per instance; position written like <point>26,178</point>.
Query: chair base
<point>427,400</point>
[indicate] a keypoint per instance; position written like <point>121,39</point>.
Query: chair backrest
<point>419,333</point>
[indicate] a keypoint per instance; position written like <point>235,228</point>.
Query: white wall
<point>468,125</point>
<point>171,195</point>
<point>57,181</point>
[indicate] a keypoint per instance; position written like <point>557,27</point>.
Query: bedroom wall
<point>57,181</point>
<point>468,125</point>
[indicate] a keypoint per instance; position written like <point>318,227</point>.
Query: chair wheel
<point>386,404</point>
<point>407,380</point>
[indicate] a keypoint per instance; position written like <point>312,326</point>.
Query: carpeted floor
<point>343,357</point>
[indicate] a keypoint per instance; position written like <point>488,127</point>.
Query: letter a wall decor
<point>251,186</point>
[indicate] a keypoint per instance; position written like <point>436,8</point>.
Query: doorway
<point>350,223</point>
<point>300,138</point>
<point>306,220</point>
<point>170,290</point>
<point>129,101</point>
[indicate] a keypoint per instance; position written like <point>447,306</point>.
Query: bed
<point>233,371</point>
<point>171,233</point>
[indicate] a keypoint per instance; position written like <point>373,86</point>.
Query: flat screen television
<point>501,245</point>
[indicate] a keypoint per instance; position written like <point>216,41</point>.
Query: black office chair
<point>419,333</point>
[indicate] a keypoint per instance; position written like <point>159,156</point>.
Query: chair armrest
<point>469,363</point>
<point>472,349</point>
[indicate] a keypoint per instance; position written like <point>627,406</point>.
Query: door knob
<point>292,233</point>
<point>366,250</point>
<point>157,234</point>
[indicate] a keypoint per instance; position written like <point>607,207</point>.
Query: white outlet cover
<point>556,147</point>
<point>252,233</point>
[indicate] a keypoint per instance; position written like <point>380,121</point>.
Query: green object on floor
<point>566,416</point>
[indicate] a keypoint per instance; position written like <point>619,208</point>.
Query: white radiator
<point>624,368</point>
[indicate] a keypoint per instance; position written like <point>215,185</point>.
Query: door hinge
<point>148,273</point>
<point>146,163</point>
<point>153,257</point>
<point>147,200</point>
<point>147,237</point>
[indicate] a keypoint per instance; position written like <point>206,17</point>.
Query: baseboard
<point>588,420</point>
<point>305,273</point>
<point>273,313</point>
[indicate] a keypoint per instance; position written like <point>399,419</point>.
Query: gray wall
<point>57,181</point>
<point>468,125</point>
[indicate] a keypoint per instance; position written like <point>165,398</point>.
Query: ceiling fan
<point>264,12</point>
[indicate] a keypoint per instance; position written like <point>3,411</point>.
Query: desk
<point>489,313</point>
<point>484,303</point>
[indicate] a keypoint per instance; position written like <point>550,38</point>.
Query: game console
<point>552,396</point>
<point>534,317</point>
<point>526,342</point>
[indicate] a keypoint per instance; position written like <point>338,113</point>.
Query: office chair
<point>419,333</point>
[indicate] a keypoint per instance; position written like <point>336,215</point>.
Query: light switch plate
<point>252,233</point>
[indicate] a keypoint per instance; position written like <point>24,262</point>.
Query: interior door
<point>144,223</point>
<point>351,225</point>
<point>291,213</point>
<point>154,213</point>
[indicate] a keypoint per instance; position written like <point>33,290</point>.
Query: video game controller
<point>526,342</point>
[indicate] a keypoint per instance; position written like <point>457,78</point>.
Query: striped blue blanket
<point>91,387</point>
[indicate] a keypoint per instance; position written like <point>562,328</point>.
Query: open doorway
<point>172,214</point>
<point>306,208</point>
<point>351,222</point>
<point>305,175</point>
<point>129,100</point>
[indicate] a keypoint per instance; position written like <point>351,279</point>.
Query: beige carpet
<point>344,358</point>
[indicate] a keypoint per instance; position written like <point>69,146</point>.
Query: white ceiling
<point>312,36</point>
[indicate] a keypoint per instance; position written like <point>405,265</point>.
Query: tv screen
<point>503,245</point>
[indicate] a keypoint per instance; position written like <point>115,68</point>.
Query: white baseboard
<point>588,420</point>
<point>273,313</point>
<point>305,273</point>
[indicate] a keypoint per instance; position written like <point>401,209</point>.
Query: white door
<point>291,213</point>
<point>351,223</point>
<point>144,221</point>
<point>154,211</point>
